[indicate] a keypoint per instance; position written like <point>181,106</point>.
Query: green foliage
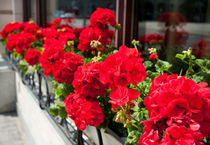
<point>3,41</point>
<point>17,55</point>
<point>103,101</point>
<point>87,60</point>
<point>60,91</point>
<point>198,69</point>
<point>23,65</point>
<point>37,44</point>
<point>28,69</point>
<point>163,66</point>
<point>133,136</point>
<point>204,64</point>
<point>58,109</point>
<point>147,64</point>
<point>180,56</point>
<point>196,78</point>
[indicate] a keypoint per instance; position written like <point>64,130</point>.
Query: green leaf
<point>62,112</point>
<point>152,75</point>
<point>196,78</point>
<point>162,66</point>
<point>62,90</point>
<point>180,56</point>
<point>59,103</point>
<point>87,60</point>
<point>23,65</point>
<point>53,110</point>
<point>147,64</point>
<point>133,136</point>
<point>204,64</point>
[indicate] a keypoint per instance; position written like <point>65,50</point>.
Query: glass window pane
<point>78,10</point>
<point>181,23</point>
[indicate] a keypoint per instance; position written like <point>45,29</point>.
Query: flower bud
<point>118,26</point>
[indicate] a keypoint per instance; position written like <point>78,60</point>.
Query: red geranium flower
<point>49,32</point>
<point>172,18</point>
<point>102,17</point>
<point>153,56</point>
<point>151,38</point>
<point>11,42</point>
<point>122,96</point>
<point>83,112</point>
<point>30,27</point>
<point>51,54</point>
<point>32,56</point>
<point>66,34</point>
<point>87,81</point>
<point>11,27</point>
<point>23,42</point>
<point>200,47</point>
<point>178,130</point>
<point>77,31</point>
<point>123,68</point>
<point>93,33</point>
<point>57,21</point>
<point>170,96</point>
<point>64,69</point>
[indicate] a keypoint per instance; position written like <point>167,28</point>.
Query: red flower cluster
<point>151,38</point>
<point>200,47</point>
<point>30,27</point>
<point>98,31</point>
<point>93,33</point>
<point>83,112</point>
<point>66,66</point>
<point>49,32</point>
<point>9,28</point>
<point>87,81</point>
<point>77,31</point>
<point>66,34</point>
<point>57,21</point>
<point>153,56</point>
<point>123,68</point>
<point>19,41</point>
<point>178,130</point>
<point>83,106</point>
<point>102,17</point>
<point>60,64</point>
<point>51,54</point>
<point>172,18</point>
<point>23,42</point>
<point>180,104</point>
<point>32,56</point>
<point>180,37</point>
<point>11,42</point>
<point>122,96</point>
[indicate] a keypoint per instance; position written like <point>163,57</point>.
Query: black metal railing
<point>39,85</point>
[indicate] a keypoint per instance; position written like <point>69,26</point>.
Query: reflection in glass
<point>78,10</point>
<point>175,25</point>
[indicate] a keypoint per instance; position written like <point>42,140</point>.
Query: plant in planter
<point>95,83</point>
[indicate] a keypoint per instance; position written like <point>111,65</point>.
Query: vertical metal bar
<point>119,17</point>
<point>100,140</point>
<point>47,103</point>
<point>40,90</point>
<point>135,19</point>
<point>26,10</point>
<point>41,12</point>
<point>127,21</point>
<point>125,18</point>
<point>79,137</point>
